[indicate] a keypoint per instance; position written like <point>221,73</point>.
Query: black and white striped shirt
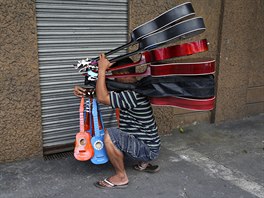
<point>136,116</point>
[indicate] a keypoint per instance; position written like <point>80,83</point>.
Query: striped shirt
<point>136,116</point>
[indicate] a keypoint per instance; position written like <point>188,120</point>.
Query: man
<point>137,136</point>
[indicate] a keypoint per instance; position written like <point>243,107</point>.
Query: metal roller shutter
<point>71,30</point>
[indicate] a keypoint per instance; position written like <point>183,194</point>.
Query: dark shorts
<point>131,146</point>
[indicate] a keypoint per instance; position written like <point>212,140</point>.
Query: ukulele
<point>100,156</point>
<point>83,148</point>
<point>185,103</point>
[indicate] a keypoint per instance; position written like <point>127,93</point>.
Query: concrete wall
<point>241,62</point>
<point>20,117</point>
<point>142,11</point>
<point>235,33</point>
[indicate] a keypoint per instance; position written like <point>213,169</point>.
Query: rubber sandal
<point>111,185</point>
<point>150,168</point>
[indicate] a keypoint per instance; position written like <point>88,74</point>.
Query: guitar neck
<point>126,55</point>
<point>81,114</point>
<point>143,59</point>
<point>95,118</point>
<point>147,72</point>
<point>81,122</point>
<point>131,42</point>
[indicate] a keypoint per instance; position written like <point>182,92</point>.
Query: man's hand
<point>101,89</point>
<point>79,91</point>
<point>103,63</point>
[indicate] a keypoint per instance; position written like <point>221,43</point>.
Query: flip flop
<point>150,168</point>
<point>111,185</point>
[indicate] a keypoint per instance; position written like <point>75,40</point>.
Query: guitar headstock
<point>87,67</point>
<point>85,63</point>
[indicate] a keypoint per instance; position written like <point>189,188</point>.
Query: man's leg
<point>116,158</point>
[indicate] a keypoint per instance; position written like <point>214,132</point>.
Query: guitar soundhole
<point>98,145</point>
<point>82,142</point>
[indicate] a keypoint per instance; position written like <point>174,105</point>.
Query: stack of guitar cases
<point>184,84</point>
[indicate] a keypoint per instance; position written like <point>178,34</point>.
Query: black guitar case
<point>196,87</point>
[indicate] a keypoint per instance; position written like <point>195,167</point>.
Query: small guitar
<point>83,148</point>
<point>100,156</point>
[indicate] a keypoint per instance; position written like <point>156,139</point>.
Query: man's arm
<point>101,89</point>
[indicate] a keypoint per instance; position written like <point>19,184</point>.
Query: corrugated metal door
<point>70,30</point>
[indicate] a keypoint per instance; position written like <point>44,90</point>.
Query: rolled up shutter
<point>68,31</point>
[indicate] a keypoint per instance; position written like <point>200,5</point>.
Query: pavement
<point>203,161</point>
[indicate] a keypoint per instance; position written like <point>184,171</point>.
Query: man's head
<point>124,71</point>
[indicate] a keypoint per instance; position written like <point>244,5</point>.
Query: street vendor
<point>137,136</point>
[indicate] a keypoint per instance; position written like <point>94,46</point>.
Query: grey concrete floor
<point>206,161</point>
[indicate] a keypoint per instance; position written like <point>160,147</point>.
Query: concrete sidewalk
<point>206,161</point>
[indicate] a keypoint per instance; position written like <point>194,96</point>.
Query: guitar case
<point>197,87</point>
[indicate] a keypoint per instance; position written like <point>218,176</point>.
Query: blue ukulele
<point>100,156</point>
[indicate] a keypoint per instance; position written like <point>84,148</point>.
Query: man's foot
<point>146,167</point>
<point>113,182</point>
<point>107,184</point>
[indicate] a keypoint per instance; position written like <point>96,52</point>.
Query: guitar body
<point>185,103</point>
<point>83,150</point>
<point>164,20</point>
<point>100,155</point>
<point>182,30</point>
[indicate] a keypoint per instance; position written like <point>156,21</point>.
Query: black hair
<point>124,61</point>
